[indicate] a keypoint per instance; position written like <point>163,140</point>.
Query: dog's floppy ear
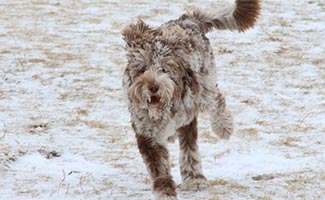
<point>134,34</point>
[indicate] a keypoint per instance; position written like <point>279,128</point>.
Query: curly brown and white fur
<point>169,79</point>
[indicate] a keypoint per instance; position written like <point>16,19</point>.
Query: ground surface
<point>65,131</point>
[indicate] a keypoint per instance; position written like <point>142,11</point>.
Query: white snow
<point>64,125</point>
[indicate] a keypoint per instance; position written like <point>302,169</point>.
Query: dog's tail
<point>241,16</point>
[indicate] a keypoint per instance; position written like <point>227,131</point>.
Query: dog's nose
<point>153,88</point>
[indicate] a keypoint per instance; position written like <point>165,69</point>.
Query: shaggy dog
<point>169,79</point>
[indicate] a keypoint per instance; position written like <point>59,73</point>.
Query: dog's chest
<point>182,119</point>
<point>168,131</point>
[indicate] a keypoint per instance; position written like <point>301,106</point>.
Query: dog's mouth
<point>154,101</point>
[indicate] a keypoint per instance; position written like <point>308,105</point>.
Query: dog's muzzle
<point>154,100</point>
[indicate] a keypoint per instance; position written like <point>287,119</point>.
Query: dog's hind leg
<point>190,162</point>
<point>220,117</point>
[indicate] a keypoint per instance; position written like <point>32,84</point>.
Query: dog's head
<point>156,70</point>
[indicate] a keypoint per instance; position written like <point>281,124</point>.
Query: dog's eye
<point>164,70</point>
<point>141,71</point>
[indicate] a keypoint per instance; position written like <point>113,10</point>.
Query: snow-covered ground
<point>64,125</point>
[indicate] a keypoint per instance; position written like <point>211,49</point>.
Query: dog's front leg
<point>190,162</point>
<point>155,156</point>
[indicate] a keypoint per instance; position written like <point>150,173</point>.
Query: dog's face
<point>153,77</point>
<point>152,88</point>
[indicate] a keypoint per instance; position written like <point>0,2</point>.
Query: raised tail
<point>240,16</point>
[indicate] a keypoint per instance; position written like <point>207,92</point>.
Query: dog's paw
<point>195,184</point>
<point>167,198</point>
<point>164,188</point>
<point>160,196</point>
